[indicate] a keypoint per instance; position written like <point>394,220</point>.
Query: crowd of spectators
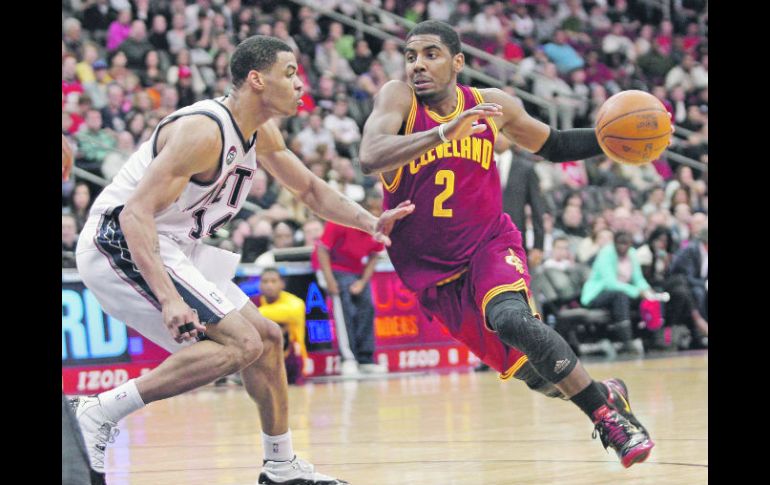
<point>128,64</point>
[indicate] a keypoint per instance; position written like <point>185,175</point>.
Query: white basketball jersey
<point>201,209</point>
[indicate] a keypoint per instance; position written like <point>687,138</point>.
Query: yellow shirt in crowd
<point>288,311</point>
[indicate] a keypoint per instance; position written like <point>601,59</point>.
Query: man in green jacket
<point>616,281</point>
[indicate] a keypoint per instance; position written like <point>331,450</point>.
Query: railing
<point>480,76</point>
<point>472,73</point>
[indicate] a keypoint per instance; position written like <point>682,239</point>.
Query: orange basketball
<point>633,127</point>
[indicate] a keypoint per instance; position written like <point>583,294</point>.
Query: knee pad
<point>509,315</point>
<point>536,382</point>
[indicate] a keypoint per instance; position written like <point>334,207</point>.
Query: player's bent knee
<point>272,335</point>
<point>508,314</point>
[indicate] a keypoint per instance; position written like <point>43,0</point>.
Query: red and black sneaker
<point>617,396</point>
<point>631,443</point>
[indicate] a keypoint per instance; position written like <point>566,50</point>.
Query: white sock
<point>120,402</point>
<point>278,448</point>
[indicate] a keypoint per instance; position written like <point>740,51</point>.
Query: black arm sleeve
<point>567,145</point>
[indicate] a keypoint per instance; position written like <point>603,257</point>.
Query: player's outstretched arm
<point>312,191</point>
<point>535,136</point>
<point>189,146</point>
<point>383,150</point>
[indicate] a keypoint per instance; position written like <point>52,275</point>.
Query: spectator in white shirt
<point>314,137</point>
<point>344,128</point>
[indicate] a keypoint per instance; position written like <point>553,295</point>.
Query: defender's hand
<point>463,125</point>
<point>176,314</point>
<point>388,219</point>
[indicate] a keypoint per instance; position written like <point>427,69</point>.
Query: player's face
<point>431,70</point>
<point>270,285</point>
<point>283,87</point>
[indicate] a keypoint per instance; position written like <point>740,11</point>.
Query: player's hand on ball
<point>388,219</point>
<point>176,314</point>
<point>466,124</point>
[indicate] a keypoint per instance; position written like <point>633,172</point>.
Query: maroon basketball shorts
<point>459,302</point>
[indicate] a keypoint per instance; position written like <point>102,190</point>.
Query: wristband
<point>441,133</point>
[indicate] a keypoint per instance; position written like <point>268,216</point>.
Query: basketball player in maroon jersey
<point>431,140</point>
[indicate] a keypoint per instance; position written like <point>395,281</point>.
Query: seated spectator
<point>561,256</point>
<point>523,24</point>
<point>136,45</point>
<point>344,179</point>
<point>590,246</point>
<point>689,75</point>
<point>315,137</point>
<point>440,9</point>
<point>656,201</point>
<point>655,257</point>
<point>370,82</point>
<point>486,24</point>
<point>616,283</point>
<point>392,60</point>
<point>288,311</point>
<point>94,143</point>
<point>80,203</point>
<point>680,227</point>
<point>461,19</point>
<point>689,280</point>
<point>573,226</point>
<point>363,57</point>
<point>563,55</point>
<point>329,60</point>
<point>551,87</point>
<point>312,230</point>
<point>69,239</point>
<point>119,30</point>
<point>345,130</point>
<point>115,160</point>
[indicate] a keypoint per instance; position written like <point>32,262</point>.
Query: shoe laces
<point>106,434</point>
<point>613,430</point>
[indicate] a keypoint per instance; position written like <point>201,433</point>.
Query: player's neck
<point>247,112</point>
<point>443,104</point>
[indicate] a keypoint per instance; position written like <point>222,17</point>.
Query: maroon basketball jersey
<point>457,195</point>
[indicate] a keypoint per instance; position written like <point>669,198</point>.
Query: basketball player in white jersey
<point>140,253</point>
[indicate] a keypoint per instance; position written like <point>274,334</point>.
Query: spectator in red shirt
<point>339,255</point>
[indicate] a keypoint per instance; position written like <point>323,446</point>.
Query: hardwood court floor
<point>461,428</point>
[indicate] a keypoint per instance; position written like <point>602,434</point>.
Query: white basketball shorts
<point>202,275</point>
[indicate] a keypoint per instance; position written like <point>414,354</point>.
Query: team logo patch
<point>514,261</point>
<point>231,155</point>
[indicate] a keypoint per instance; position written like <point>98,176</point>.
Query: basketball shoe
<point>295,471</point>
<point>631,443</point>
<point>619,400</point>
<point>97,431</point>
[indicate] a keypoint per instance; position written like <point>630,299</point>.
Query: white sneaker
<point>372,369</point>
<point>294,471</point>
<point>97,430</point>
<point>349,368</point>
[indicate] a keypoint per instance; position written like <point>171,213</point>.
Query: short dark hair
<point>272,269</point>
<point>257,53</point>
<point>446,33</point>
<point>623,236</point>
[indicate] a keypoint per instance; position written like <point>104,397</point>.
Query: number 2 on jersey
<point>447,178</point>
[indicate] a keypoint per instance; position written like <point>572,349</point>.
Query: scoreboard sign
<point>100,352</point>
